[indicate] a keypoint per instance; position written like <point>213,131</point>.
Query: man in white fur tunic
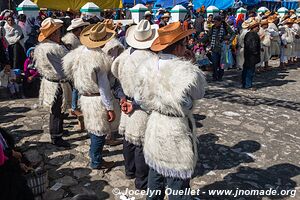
<point>90,75</point>
<point>55,91</point>
<point>134,118</point>
<point>167,90</point>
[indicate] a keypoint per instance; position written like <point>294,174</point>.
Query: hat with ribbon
<point>169,35</point>
<point>49,26</point>
<point>76,23</point>
<point>142,35</point>
<point>96,35</point>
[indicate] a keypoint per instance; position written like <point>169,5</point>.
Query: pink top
<point>3,158</point>
<point>29,72</point>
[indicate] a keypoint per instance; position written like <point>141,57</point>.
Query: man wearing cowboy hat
<point>167,91</point>
<point>275,37</point>
<point>55,91</point>
<point>164,20</point>
<point>287,39</point>
<point>265,41</point>
<point>251,53</point>
<point>71,41</point>
<point>133,120</point>
<point>296,29</point>
<point>91,80</point>
<point>114,48</point>
<point>240,50</point>
<point>148,16</point>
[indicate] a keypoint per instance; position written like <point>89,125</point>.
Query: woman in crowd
<point>32,32</point>
<point>32,77</point>
<point>14,37</point>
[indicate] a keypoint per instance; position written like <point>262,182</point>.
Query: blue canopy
<point>251,2</point>
<point>169,3</point>
<point>275,4</point>
<point>222,5</point>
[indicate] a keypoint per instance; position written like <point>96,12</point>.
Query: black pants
<point>218,71</point>
<point>135,165</point>
<point>56,116</point>
<point>157,182</point>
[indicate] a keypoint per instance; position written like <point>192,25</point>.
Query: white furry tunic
<point>132,126</point>
<point>43,53</point>
<point>114,48</point>
<point>85,63</point>
<point>71,41</point>
<point>170,138</point>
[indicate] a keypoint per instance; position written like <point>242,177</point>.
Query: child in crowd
<point>8,80</point>
<point>200,54</point>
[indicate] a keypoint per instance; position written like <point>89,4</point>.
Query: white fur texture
<point>84,63</point>
<point>132,126</point>
<point>113,48</point>
<point>48,89</point>
<point>71,40</point>
<point>170,144</point>
<point>95,116</point>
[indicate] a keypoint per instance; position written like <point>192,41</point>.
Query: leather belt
<point>91,94</point>
<point>57,81</point>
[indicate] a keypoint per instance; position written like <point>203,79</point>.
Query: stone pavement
<point>247,140</point>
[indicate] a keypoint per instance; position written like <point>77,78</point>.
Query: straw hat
<point>49,26</point>
<point>272,19</point>
<point>253,24</point>
<point>142,35</point>
<point>264,22</point>
<point>166,15</point>
<point>297,21</point>
<point>288,21</point>
<point>168,35</point>
<point>245,25</point>
<point>267,14</point>
<point>96,35</point>
<point>293,16</point>
<point>76,23</point>
<point>109,23</point>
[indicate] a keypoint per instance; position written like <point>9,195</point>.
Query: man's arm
<point>104,90</point>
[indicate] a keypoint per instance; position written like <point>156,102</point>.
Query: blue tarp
<point>274,4</point>
<point>251,2</point>
<point>169,3</point>
<point>222,5</point>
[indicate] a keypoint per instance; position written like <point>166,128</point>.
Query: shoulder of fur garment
<point>124,68</point>
<point>163,87</point>
<point>113,48</point>
<point>41,53</point>
<point>82,63</point>
<point>70,39</point>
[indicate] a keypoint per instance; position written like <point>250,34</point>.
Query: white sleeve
<point>105,91</point>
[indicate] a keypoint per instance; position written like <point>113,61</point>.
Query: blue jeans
<point>96,148</point>
<point>247,76</point>
<point>218,72</point>
<point>157,182</point>
<point>74,98</point>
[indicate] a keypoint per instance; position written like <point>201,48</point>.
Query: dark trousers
<point>218,72</point>
<point>247,76</point>
<point>96,148</point>
<point>135,165</point>
<point>56,116</point>
<point>157,182</point>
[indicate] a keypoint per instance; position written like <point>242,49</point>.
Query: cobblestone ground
<point>247,140</point>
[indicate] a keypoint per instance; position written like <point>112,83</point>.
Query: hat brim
<point>70,28</point>
<point>131,41</point>
<point>156,46</point>
<point>43,36</point>
<point>86,41</point>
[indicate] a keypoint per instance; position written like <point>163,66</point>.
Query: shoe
<point>129,177</point>
<point>111,142</point>
<point>105,165</point>
<point>59,142</point>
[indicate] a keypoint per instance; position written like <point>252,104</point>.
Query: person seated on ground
<point>12,182</point>
<point>8,80</point>
<point>32,79</point>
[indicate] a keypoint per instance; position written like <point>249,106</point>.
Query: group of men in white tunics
<point>279,39</point>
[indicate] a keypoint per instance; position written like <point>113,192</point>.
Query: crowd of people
<point>140,80</point>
